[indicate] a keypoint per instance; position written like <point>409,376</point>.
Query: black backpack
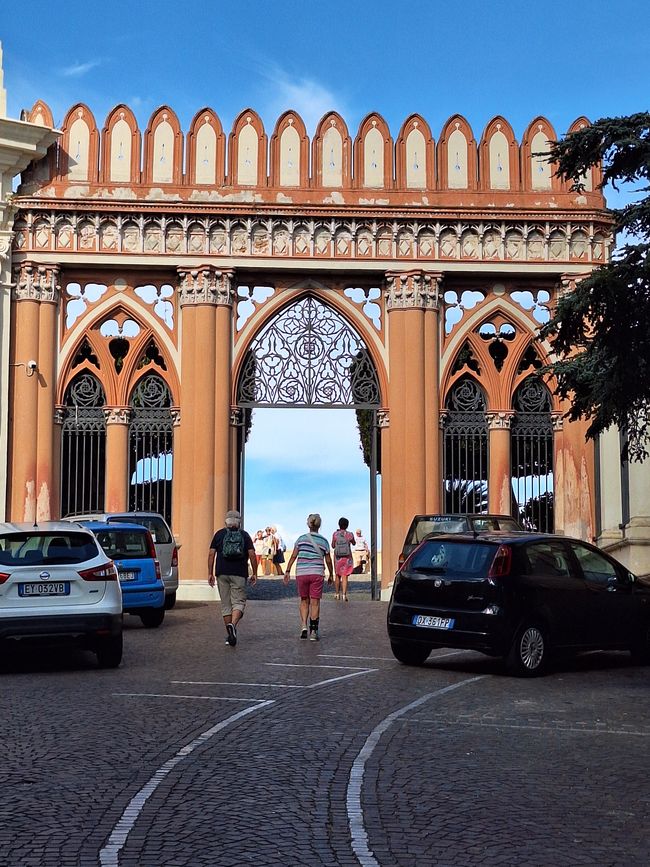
<point>233,544</point>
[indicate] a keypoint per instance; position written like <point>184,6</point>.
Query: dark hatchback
<point>520,596</point>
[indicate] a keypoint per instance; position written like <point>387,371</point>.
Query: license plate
<point>45,588</point>
<point>433,622</point>
<point>127,576</point>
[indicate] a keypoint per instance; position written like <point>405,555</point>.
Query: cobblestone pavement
<point>289,752</point>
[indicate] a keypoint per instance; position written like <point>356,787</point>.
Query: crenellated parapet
<point>203,165</point>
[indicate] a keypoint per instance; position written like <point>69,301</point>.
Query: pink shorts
<point>310,586</point>
<point>343,566</point>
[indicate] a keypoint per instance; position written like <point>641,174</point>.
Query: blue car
<point>131,548</point>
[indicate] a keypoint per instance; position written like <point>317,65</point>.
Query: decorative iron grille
<point>151,447</point>
<point>465,449</point>
<point>83,447</point>
<point>308,356</point>
<point>531,438</point>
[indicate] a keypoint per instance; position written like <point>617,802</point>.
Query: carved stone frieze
<point>34,282</point>
<point>280,236</point>
<point>499,420</point>
<point>206,285</point>
<point>412,289</point>
<point>117,414</point>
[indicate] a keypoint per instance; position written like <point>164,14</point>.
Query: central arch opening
<point>307,357</point>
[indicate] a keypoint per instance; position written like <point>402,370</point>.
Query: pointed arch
<point>289,164</point>
<point>373,154</point>
<point>593,177</point>
<point>247,151</point>
<point>537,173</point>
<point>206,149</point>
<point>40,114</point>
<point>415,155</point>
<point>163,148</point>
<point>499,157</point>
<point>457,162</point>
<point>79,157</point>
<point>121,142</point>
<point>325,359</point>
<point>332,153</point>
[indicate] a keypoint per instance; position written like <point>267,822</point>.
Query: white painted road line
<point>355,783</point>
<point>314,665</point>
<point>342,677</point>
<point>555,730</point>
<point>174,695</point>
<point>234,683</point>
<point>367,658</point>
<point>109,855</point>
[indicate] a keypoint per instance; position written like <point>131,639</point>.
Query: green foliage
<point>601,331</point>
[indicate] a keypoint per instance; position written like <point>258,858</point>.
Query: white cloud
<point>306,96</point>
<point>79,69</point>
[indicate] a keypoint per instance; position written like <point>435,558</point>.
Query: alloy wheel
<point>531,648</point>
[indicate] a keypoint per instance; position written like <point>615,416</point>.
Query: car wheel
<point>170,601</point>
<point>528,656</point>
<point>640,650</point>
<point>410,653</point>
<point>153,617</point>
<point>109,651</point>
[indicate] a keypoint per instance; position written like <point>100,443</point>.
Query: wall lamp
<point>30,366</point>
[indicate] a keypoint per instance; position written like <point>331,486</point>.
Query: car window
<point>42,549</point>
<point>549,559</point>
<point>595,567</point>
<point>466,559</point>
<point>435,524</point>
<point>156,526</point>
<point>124,544</point>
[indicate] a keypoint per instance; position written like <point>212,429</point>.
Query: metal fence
<point>465,449</point>
<point>532,455</point>
<point>83,447</point>
<point>151,447</point>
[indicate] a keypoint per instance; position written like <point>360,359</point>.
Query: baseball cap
<point>233,515</point>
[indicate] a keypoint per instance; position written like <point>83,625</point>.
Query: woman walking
<point>342,542</point>
<point>312,553</point>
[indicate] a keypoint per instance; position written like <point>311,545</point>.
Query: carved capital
<point>33,282</point>
<point>383,418</point>
<point>417,289</point>
<point>442,418</point>
<point>59,414</point>
<point>236,416</point>
<point>499,420</point>
<point>557,421</point>
<point>117,414</point>
<point>5,245</point>
<point>175,413</point>
<point>206,285</point>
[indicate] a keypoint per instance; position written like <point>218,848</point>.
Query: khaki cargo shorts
<point>232,590</point>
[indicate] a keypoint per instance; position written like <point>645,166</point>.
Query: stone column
<point>116,489</point>
<point>202,468</point>
<point>412,305</point>
<point>32,391</point>
<point>499,487</point>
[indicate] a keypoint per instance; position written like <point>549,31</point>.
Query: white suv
<point>56,583</point>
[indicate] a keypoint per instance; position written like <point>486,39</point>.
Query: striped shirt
<point>310,558</point>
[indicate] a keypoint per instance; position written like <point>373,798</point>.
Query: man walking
<point>233,549</point>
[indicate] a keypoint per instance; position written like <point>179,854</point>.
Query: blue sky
<point>511,57</point>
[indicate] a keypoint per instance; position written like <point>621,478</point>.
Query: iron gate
<point>151,447</point>
<point>465,449</point>
<point>531,452</point>
<point>83,447</point>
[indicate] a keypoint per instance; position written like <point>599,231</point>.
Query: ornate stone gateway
<point>401,277</point>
